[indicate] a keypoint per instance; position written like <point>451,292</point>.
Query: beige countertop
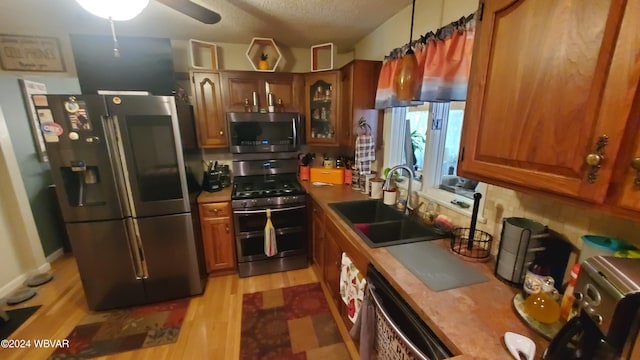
<point>218,196</point>
<point>470,320</point>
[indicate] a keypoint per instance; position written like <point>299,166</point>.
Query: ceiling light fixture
<point>406,79</point>
<point>114,10</point>
<point>117,10</point>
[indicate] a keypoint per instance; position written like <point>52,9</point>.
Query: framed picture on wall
<point>29,88</point>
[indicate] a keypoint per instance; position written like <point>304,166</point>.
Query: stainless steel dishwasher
<point>399,331</point>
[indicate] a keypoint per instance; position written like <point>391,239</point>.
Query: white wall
<point>233,57</point>
<point>429,16</point>
<point>20,248</point>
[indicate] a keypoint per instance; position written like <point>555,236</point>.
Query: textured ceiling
<point>292,23</point>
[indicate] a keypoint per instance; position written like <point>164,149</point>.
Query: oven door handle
<point>394,327</point>
<point>243,212</point>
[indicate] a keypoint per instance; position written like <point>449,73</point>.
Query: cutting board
<point>436,267</point>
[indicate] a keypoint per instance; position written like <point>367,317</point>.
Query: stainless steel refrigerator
<point>119,172</point>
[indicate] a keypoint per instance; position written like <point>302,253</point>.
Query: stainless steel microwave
<point>251,132</point>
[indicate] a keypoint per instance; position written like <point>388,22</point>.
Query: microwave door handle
<point>242,212</point>
<point>295,132</point>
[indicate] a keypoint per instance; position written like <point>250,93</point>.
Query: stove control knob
<point>577,296</point>
<point>597,318</point>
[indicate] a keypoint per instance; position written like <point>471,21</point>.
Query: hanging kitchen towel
<point>364,328</point>
<point>365,153</point>
<point>352,285</point>
<point>270,246</point>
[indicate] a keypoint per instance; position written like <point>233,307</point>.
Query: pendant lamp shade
<point>118,10</point>
<point>406,79</point>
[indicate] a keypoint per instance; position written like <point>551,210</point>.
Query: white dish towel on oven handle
<point>270,246</point>
<point>352,286</point>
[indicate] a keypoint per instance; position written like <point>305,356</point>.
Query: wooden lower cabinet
<point>335,243</point>
<point>332,260</point>
<point>317,236</point>
<point>217,238</point>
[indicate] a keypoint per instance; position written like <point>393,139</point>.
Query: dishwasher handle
<point>387,319</point>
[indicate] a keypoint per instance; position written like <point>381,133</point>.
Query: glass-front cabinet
<point>321,96</point>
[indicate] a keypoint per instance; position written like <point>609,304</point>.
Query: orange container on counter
<point>330,176</point>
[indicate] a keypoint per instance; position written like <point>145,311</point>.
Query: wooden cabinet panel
<point>240,85</point>
<point>358,85</point>
<point>215,210</point>
<point>287,89</point>
<point>322,106</point>
<point>211,126</point>
<point>217,237</point>
<point>332,261</point>
<point>538,102</point>
<point>625,189</point>
<point>317,234</point>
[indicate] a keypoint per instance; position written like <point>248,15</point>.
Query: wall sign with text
<point>30,53</point>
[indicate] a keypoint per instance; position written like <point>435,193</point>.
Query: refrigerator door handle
<point>116,155</point>
<point>138,241</point>
<point>134,249</point>
<point>123,165</point>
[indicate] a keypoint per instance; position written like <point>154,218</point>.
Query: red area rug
<point>290,323</point>
<point>105,333</point>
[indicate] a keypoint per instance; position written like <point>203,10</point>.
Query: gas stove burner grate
<point>257,187</point>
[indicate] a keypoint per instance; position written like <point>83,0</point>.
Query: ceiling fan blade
<point>193,10</point>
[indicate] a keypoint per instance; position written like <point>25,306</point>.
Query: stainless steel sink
<point>380,225</point>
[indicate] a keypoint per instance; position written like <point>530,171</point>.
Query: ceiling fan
<point>193,10</point>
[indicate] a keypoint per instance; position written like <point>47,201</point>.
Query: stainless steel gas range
<point>267,180</point>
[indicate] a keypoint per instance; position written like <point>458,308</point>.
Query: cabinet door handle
<point>594,159</point>
<point>635,165</point>
<point>221,132</point>
<point>227,228</point>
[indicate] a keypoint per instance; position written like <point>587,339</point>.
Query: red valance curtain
<point>444,60</point>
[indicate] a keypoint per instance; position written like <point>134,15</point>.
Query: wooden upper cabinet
<point>358,85</point>
<point>549,79</point>
<point>286,88</point>
<point>322,97</point>
<point>626,188</point>
<point>240,85</point>
<point>211,126</point>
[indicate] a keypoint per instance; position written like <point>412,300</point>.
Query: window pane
<point>418,119</point>
<point>452,142</point>
<point>450,181</point>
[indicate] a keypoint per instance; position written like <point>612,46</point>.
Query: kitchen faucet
<point>407,208</point>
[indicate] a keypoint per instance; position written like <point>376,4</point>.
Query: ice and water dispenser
<point>82,183</point>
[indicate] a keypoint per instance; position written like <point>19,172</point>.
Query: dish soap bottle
<point>567,310</point>
<point>543,306</point>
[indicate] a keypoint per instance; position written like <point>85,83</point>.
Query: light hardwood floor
<point>211,329</point>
